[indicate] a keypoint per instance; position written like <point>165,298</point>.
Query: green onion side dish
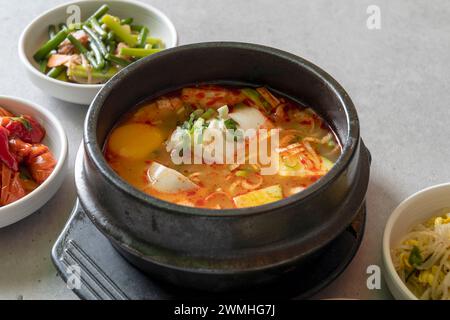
<point>93,51</point>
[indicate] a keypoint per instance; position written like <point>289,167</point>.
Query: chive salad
<point>93,51</point>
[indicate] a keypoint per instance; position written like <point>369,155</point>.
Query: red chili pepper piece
<point>26,128</point>
<point>5,155</point>
<point>37,132</point>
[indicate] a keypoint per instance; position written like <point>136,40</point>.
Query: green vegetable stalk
<point>98,29</point>
<point>117,60</point>
<point>56,71</point>
<point>50,45</point>
<point>99,59</point>
<point>104,32</point>
<point>135,27</point>
<point>137,52</point>
<point>150,40</point>
<point>122,32</point>
<point>256,98</point>
<point>95,40</point>
<point>81,72</point>
<point>43,65</point>
<point>111,36</point>
<point>99,13</point>
<point>142,38</point>
<point>126,21</point>
<point>83,51</point>
<point>63,76</point>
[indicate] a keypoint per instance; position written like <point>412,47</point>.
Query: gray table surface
<point>397,77</point>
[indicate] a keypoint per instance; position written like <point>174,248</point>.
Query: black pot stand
<point>105,274</point>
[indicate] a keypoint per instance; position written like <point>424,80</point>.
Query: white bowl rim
<point>387,235</point>
<point>61,139</point>
<point>28,28</point>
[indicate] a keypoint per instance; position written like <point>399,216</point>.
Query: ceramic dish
<point>35,34</point>
<point>414,210</point>
<point>56,140</point>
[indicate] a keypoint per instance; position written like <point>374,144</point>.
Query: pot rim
<point>95,153</point>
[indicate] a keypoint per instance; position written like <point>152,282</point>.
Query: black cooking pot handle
<point>70,251</point>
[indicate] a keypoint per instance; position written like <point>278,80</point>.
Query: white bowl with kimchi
<point>416,246</point>
<point>33,152</point>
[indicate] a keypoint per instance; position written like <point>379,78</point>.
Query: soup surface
<point>203,147</point>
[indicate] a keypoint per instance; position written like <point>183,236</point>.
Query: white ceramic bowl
<point>414,210</point>
<point>36,34</point>
<point>56,140</point>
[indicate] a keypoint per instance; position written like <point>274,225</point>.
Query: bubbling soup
<point>171,148</point>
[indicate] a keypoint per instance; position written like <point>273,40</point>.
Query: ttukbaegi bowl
<point>35,35</point>
<point>56,140</point>
<point>416,209</point>
<point>222,249</point>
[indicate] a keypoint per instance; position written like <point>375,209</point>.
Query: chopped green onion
<point>230,124</point>
<point>26,123</point>
<point>256,98</point>
<point>208,114</point>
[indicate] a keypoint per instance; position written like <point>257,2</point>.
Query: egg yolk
<point>135,141</point>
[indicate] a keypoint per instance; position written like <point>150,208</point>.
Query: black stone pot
<point>226,249</point>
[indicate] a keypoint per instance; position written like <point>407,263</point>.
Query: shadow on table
<point>381,200</point>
